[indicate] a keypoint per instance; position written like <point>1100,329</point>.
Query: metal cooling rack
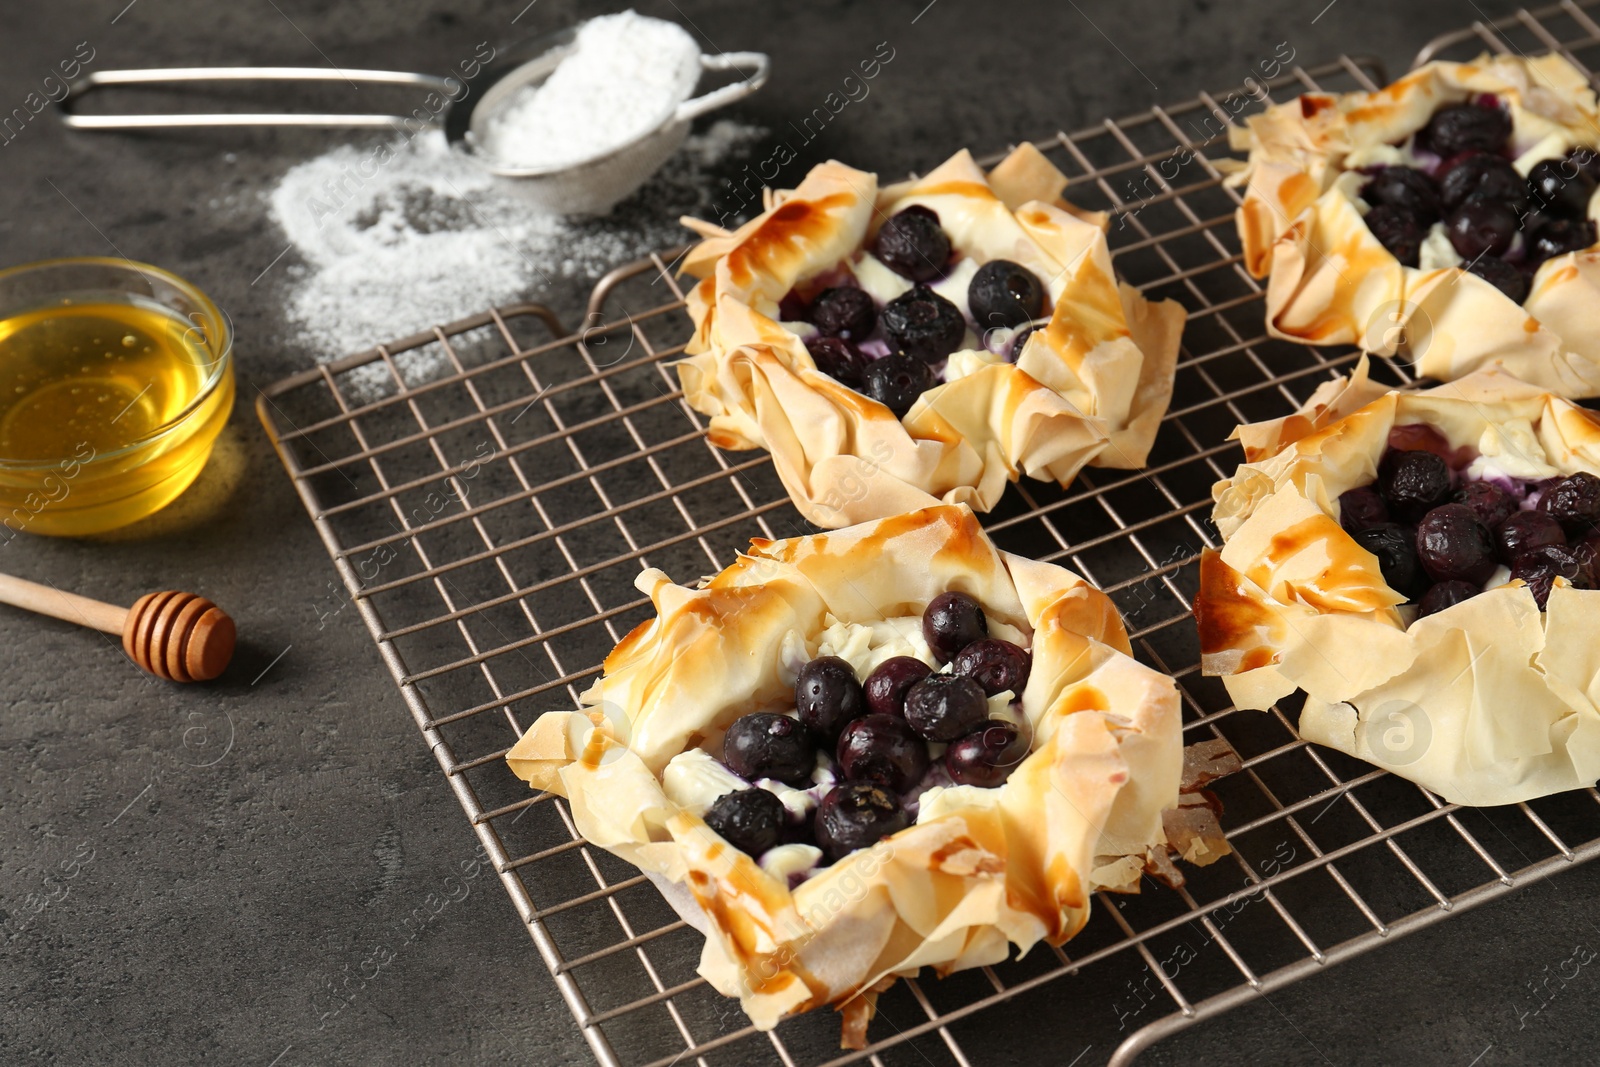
<point>489,490</point>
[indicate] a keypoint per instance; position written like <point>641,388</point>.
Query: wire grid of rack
<point>489,490</point>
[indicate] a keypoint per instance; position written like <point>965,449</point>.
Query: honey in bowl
<point>115,380</point>
<point>102,375</point>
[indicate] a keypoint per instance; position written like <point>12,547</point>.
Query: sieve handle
<point>180,75</point>
<point>691,109</point>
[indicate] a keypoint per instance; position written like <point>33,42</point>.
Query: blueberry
<point>951,622</point>
<point>942,707</point>
<point>1502,275</point>
<point>1019,340</point>
<point>751,820</point>
<point>1527,530</point>
<point>1492,504</point>
<point>1452,545</point>
<point>1585,160</point>
<point>827,696</point>
<point>896,382</point>
<point>838,359</point>
<point>1395,547</point>
<point>1406,188</point>
<point>1481,174</point>
<point>767,745</point>
<point>1574,502</point>
<point>1550,236</point>
<point>986,756</point>
<point>886,687</point>
<point>793,308</point>
<point>995,665</point>
<point>844,311</point>
<point>1540,566</point>
<point>1414,482</point>
<point>882,749</point>
<point>1481,226</point>
<point>1419,436</point>
<point>912,245</point>
<point>1361,509</point>
<point>1561,187</point>
<point>1537,217</point>
<point>1003,293</point>
<point>924,325</point>
<point>857,815</point>
<point>1446,595</point>
<point>1587,553</point>
<point>1397,230</point>
<point>1532,490</point>
<point>1467,128</point>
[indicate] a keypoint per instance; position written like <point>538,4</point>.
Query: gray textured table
<point>212,861</point>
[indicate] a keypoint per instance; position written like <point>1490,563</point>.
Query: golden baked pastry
<point>1306,222</point>
<point>1089,387</point>
<point>1481,687</point>
<point>646,764</point>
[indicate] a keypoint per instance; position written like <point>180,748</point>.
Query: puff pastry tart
<point>1447,219</point>
<point>1423,565</point>
<point>927,341</point>
<point>855,754</point>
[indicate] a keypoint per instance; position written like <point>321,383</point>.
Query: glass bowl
<point>115,379</point>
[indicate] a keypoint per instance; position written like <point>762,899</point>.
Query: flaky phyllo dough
<point>1487,702</point>
<point>981,868</point>
<point>1331,282</point>
<point>1089,389</point>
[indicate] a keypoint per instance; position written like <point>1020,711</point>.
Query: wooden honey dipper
<point>177,636</point>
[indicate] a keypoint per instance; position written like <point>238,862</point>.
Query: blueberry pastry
<point>924,342</point>
<point>1423,566</point>
<point>1448,219</point>
<point>855,754</point>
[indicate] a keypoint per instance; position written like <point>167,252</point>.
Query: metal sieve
<point>585,186</point>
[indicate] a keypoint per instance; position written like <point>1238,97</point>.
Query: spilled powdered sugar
<point>395,239</point>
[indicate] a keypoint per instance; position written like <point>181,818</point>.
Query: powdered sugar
<point>399,237</point>
<point>625,77</point>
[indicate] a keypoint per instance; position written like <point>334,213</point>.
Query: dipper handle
<point>177,636</point>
